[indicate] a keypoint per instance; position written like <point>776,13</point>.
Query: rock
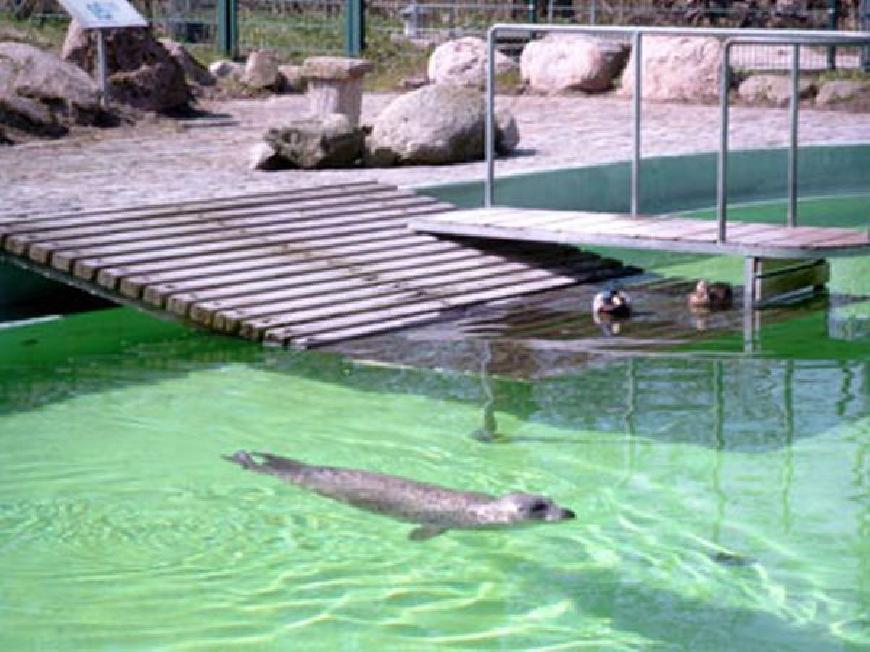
<point>142,73</point>
<point>677,68</point>
<point>43,95</point>
<point>773,89</point>
<point>335,68</point>
<point>224,68</point>
<point>291,79</point>
<point>463,62</point>
<point>261,70</point>
<point>841,90</point>
<point>264,157</point>
<point>435,125</point>
<point>567,62</point>
<point>321,142</point>
<point>193,69</point>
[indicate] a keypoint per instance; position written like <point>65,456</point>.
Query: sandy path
<point>168,160</point>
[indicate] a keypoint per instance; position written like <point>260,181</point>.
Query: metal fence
<point>298,28</point>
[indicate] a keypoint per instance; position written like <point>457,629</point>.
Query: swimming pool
<point>722,498</point>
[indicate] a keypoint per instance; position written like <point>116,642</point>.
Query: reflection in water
<point>684,469</point>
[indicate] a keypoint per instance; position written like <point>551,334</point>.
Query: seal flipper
<point>426,532</point>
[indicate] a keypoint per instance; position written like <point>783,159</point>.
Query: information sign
<point>103,14</point>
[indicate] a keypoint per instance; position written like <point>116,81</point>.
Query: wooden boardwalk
<point>646,232</point>
<point>301,267</point>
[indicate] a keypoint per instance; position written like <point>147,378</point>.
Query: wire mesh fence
<point>297,28</point>
<point>293,27</point>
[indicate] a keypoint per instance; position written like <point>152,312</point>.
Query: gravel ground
<point>173,160</point>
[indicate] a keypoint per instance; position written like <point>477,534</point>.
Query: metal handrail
<point>732,37</point>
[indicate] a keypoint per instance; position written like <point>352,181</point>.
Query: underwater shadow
<point>673,621</point>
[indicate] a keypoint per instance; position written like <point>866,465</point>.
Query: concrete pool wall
<point>674,183</point>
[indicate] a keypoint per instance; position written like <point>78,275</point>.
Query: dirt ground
<point>166,159</point>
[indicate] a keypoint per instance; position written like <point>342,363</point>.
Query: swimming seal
<point>436,509</point>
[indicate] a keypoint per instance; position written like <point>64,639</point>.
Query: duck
<point>711,296</point>
<point>614,304</point>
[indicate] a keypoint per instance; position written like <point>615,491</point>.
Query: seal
<point>436,509</point>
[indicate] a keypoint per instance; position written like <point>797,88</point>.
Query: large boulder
<point>318,142</point>
<point>436,125</point>
<point>839,91</point>
<point>772,89</point>
<point>677,68</point>
<point>194,71</point>
<point>43,95</point>
<point>261,70</point>
<point>572,62</point>
<point>463,62</point>
<point>142,72</point>
<point>226,69</point>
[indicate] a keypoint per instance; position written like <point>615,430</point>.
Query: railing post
<point>864,22</point>
<point>636,114</point>
<point>354,35</point>
<point>228,28</point>
<point>833,15</point>
<point>532,11</point>
<point>489,128</point>
<point>793,135</point>
<point>722,168</point>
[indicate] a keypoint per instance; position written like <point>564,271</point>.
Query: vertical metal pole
<point>593,10</point>
<point>228,27</point>
<point>489,142</point>
<point>532,11</point>
<point>793,136</point>
<point>832,25</point>
<point>637,48</point>
<point>749,304</point>
<point>102,69</point>
<point>722,169</point>
<point>354,34</point>
<point>864,24</point>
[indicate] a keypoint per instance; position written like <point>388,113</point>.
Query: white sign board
<point>97,14</point>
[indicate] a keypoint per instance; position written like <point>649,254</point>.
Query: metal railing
<point>730,38</point>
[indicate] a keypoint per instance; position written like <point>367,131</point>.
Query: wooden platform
<point>301,267</point>
<point>646,232</point>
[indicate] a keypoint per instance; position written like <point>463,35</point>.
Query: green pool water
<point>723,499</point>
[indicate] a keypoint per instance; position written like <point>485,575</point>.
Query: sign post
<point>100,15</point>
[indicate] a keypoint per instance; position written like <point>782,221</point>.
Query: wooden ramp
<point>301,267</point>
<point>647,232</point>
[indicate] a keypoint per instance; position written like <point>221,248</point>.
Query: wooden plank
<point>307,334</point>
<point>29,232</point>
<point>282,278</point>
<point>254,261</point>
<point>524,219</point>
<point>147,239</point>
<point>815,275</point>
<point>253,321</point>
<point>86,268</point>
<point>819,237</point>
<point>187,222</point>
<point>115,214</point>
<point>215,284</point>
<point>338,285</point>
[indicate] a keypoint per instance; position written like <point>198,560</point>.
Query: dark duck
<point>612,304</point>
<point>711,296</point>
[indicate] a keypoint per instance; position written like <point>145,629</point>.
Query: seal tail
<point>271,464</point>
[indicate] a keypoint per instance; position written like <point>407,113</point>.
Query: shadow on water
<point>671,621</point>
